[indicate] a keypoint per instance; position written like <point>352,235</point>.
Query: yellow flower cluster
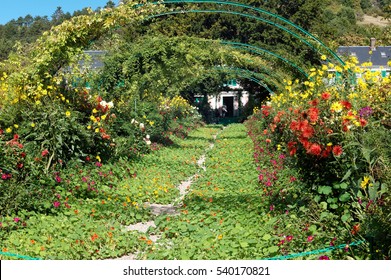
<point>363,86</point>
<point>177,104</point>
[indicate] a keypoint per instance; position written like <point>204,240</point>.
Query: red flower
<point>363,122</point>
<point>313,114</point>
<point>325,95</point>
<point>324,258</point>
<point>315,149</point>
<point>337,150</point>
<point>346,104</point>
<point>294,125</point>
<point>45,153</point>
<point>289,238</point>
<point>292,148</point>
<point>56,204</point>
<point>314,102</point>
<point>310,238</point>
<point>308,131</point>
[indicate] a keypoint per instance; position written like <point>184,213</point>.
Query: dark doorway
<point>229,102</point>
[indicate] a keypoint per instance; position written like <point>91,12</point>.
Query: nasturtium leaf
<point>325,190</point>
<point>344,197</point>
<point>266,237</point>
<point>345,217</point>
<point>273,249</point>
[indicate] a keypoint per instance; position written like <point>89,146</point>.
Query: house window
<point>383,54</point>
<point>353,54</point>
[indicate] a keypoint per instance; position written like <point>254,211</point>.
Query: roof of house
<point>379,56</point>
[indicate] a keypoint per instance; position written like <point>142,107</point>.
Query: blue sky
<point>12,9</point>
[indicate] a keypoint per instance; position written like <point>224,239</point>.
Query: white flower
<point>148,142</point>
<point>147,136</point>
<point>141,126</point>
<point>110,104</point>
<point>133,121</point>
<point>103,103</point>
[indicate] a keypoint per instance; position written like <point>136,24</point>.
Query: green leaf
<point>273,249</point>
<point>344,197</point>
<point>347,175</point>
<point>345,217</point>
<point>323,205</point>
<point>325,190</point>
<point>266,237</point>
<point>243,244</point>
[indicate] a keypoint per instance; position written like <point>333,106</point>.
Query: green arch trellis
<point>262,11</point>
<point>259,10</point>
<point>259,50</point>
<point>248,75</point>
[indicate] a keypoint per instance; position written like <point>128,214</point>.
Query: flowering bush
<point>335,137</point>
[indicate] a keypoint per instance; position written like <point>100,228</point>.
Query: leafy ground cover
<point>227,216</point>
<point>94,202</point>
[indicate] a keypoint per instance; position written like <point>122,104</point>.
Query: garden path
<point>172,208</point>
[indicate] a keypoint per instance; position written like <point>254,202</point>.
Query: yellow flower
<point>68,114</point>
<point>336,106</point>
<point>89,127</point>
<point>38,102</point>
<point>329,144</point>
<point>323,57</point>
<point>364,182</point>
<point>8,130</point>
<point>220,237</point>
<point>16,126</point>
<point>98,158</point>
<point>94,111</point>
<point>103,117</point>
<point>32,124</point>
<point>97,130</point>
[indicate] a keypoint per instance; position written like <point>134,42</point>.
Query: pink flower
<point>271,207</point>
<point>98,164</point>
<point>16,219</point>
<point>58,179</point>
<point>4,177</point>
<point>310,238</point>
<point>289,238</point>
<point>324,258</point>
<point>56,204</point>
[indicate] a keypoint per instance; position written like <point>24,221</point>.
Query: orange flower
<point>5,250</point>
<point>356,229</point>
<point>94,237</point>
<point>32,241</point>
<point>149,242</point>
